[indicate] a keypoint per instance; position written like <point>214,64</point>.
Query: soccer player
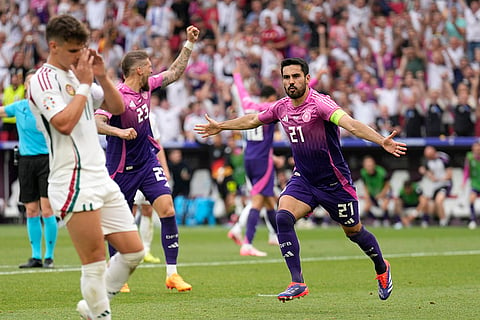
<point>62,97</point>
<point>321,175</point>
<point>258,158</point>
<point>471,169</point>
<point>32,176</point>
<point>133,164</point>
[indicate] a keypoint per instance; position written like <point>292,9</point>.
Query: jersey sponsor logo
<point>69,89</point>
<point>48,103</point>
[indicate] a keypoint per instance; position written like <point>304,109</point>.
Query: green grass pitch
<point>436,274</point>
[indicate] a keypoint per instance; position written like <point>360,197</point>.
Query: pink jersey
<point>315,141</point>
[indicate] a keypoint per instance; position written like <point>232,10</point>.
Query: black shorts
<point>33,177</point>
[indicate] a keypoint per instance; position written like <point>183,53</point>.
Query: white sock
<point>119,269</point>
<point>146,232</point>
<point>92,286</point>
<point>171,269</point>
<point>242,220</point>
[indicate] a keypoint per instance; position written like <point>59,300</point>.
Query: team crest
<point>70,90</point>
<point>307,116</point>
<point>48,103</point>
<point>145,95</point>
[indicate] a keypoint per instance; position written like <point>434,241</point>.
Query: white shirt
<point>96,13</point>
<point>76,160</point>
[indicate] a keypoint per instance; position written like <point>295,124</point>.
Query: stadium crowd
<point>409,65</point>
<point>413,66</point>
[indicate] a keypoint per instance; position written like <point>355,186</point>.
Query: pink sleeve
<point>155,81</point>
<point>246,101</point>
<point>313,82</point>
<point>268,115</point>
<point>103,113</point>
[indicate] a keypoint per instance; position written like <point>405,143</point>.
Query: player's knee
<point>353,232</point>
<point>285,220</point>
<point>133,259</point>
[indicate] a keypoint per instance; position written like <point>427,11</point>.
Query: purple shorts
<point>148,178</point>
<point>261,173</point>
<point>341,202</point>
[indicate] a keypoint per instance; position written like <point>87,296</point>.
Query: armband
<point>336,115</point>
<point>83,90</point>
<point>189,45</point>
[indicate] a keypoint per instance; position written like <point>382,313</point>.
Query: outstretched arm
<point>363,131</point>
<point>213,127</point>
<point>175,71</point>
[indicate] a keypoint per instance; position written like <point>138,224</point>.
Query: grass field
<point>436,275</point>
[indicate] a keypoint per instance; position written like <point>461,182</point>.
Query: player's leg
<point>157,191</point>
<point>169,236</point>
<point>120,230</point>
<point>295,202</point>
<point>472,224</point>
<point>88,239</point>
<point>235,232</point>
<point>50,232</point>
<point>289,211</point>
<point>29,195</point>
<point>247,248</point>
<point>146,226</point>
<point>439,199</point>
<point>343,208</point>
<point>34,230</point>
<point>49,219</point>
<point>271,219</point>
<point>146,229</point>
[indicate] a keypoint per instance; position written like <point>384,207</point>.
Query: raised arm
<point>174,72</point>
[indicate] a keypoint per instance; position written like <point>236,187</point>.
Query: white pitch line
<point>256,261</point>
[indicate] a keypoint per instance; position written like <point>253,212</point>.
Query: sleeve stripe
<point>44,80</point>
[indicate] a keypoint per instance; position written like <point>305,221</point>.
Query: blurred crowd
<point>407,65</point>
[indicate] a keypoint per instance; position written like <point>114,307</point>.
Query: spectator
<point>227,16</point>
<point>180,173</point>
<point>435,108</point>
<point>170,129</point>
<point>455,24</point>
<point>14,92</point>
<point>471,170</point>
<point>411,203</point>
<point>161,19</point>
<point>414,119</point>
<point>464,103</point>
<point>377,189</point>
<point>472,29</point>
<point>438,174</point>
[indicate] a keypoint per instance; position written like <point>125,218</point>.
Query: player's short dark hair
<point>133,59</point>
<point>66,28</point>
<point>267,91</point>
<point>295,62</point>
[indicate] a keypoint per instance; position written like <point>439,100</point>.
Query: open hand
<point>207,129</point>
<point>396,148</point>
